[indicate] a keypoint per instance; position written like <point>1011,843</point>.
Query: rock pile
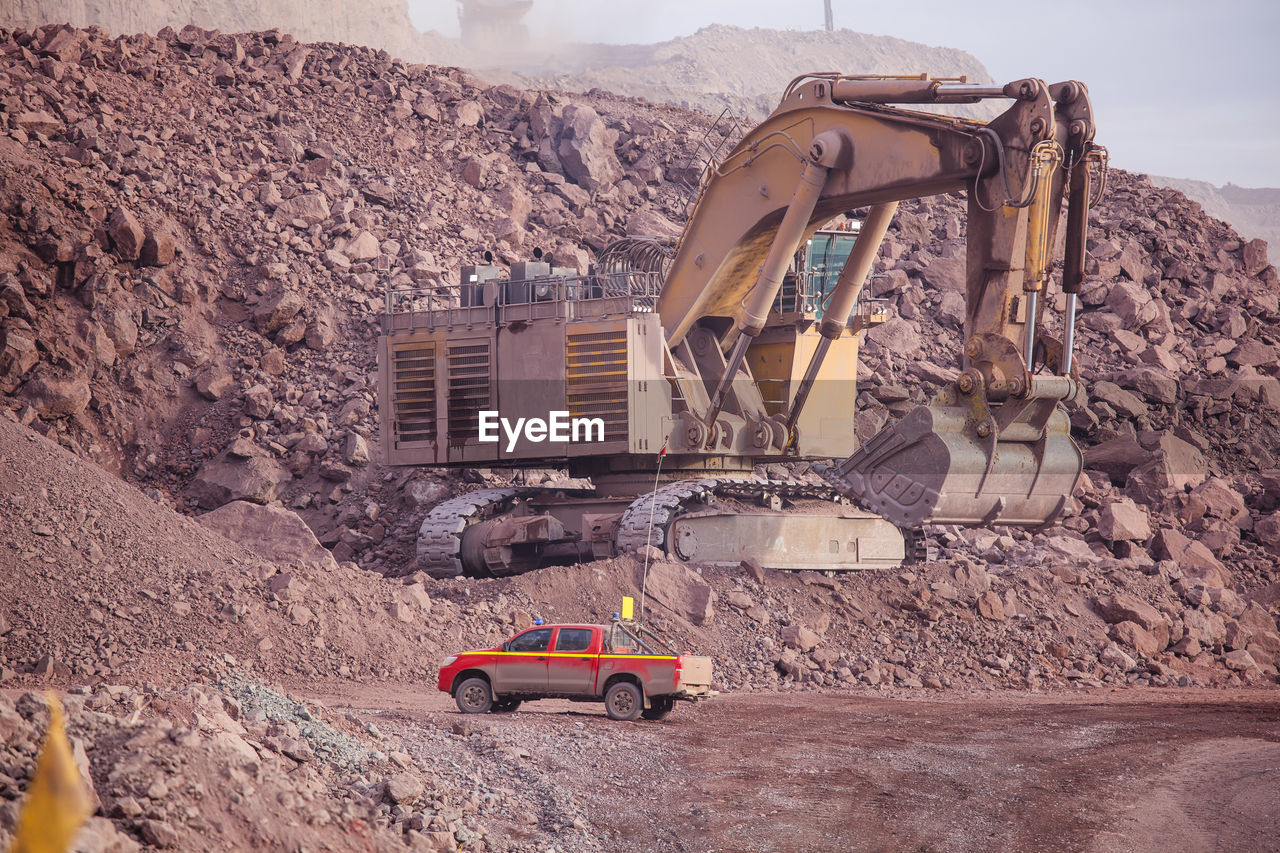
<point>223,268</point>
<point>103,584</point>
<point>240,766</point>
<point>191,302</point>
<point>382,24</point>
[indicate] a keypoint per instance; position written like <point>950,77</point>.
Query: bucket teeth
<point>931,467</point>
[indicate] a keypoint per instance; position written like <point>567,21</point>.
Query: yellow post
<point>57,802</point>
<point>628,607</point>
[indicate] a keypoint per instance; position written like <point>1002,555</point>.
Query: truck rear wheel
<point>622,701</point>
<point>474,696</point>
<point>659,708</point>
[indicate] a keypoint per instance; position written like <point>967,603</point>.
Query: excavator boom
<point>993,448</point>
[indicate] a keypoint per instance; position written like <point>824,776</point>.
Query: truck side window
<point>532,641</point>
<point>573,640</point>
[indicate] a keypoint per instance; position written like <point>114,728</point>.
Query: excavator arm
<point>994,447</point>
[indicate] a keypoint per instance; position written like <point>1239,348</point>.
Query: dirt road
<point>1134,771</point>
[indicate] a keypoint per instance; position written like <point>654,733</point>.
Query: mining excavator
<point>487,24</point>
<point>673,372</point>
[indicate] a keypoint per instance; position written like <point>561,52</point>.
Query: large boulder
<point>1124,521</point>
<point>222,480</point>
<point>276,310</point>
<point>1136,637</point>
<point>159,249</point>
<point>54,393</point>
<point>1220,499</point>
<point>364,247</point>
<point>899,336</point>
<point>307,209</point>
<point>1116,457</point>
<point>18,354</point>
<point>946,274</point>
<point>1132,303</point>
<point>680,590</point>
<point>1205,626</point>
<point>126,234</point>
<point>1124,402</point>
<point>274,532</point>
<point>1255,256</point>
<point>1175,466</point>
<point>647,222</point>
<point>1195,560</point>
<point>38,122</point>
<point>1154,384</point>
<point>586,149</point>
<point>1128,608</point>
<point>800,637</point>
<point>259,402</point>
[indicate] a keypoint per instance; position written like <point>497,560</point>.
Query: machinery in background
<point>669,374</point>
<point>491,23</point>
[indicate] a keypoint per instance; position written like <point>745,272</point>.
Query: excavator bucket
<point>934,467</point>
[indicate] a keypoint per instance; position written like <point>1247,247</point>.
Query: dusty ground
<point>1092,771</point>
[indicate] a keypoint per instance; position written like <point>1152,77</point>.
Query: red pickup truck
<point>625,665</point>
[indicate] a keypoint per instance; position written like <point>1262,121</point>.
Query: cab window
<point>532,641</point>
<point>619,642</point>
<point>573,640</point>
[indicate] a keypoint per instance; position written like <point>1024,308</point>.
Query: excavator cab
<point>811,280</point>
<point>825,254</point>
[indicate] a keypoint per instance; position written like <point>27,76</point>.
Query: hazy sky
<point>1184,88</point>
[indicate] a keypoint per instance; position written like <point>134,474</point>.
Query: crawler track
<point>440,536</point>
<point>668,502</point>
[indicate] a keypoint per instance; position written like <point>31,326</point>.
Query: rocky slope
<point>382,24</point>
<point>1252,212</point>
<point>742,70</point>
<point>254,240</point>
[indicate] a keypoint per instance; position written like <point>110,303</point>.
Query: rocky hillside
<point>1252,212</point>
<point>193,302</point>
<point>381,24</point>
<point>191,295</point>
<point>742,70</point>
<point>719,67</point>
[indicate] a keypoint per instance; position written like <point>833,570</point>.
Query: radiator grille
<point>413,393</point>
<point>596,374</point>
<point>469,389</point>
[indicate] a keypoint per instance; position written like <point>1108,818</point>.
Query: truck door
<point>523,668</point>
<point>572,668</point>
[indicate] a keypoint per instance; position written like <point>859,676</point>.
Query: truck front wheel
<point>622,701</point>
<point>659,707</point>
<point>474,696</point>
